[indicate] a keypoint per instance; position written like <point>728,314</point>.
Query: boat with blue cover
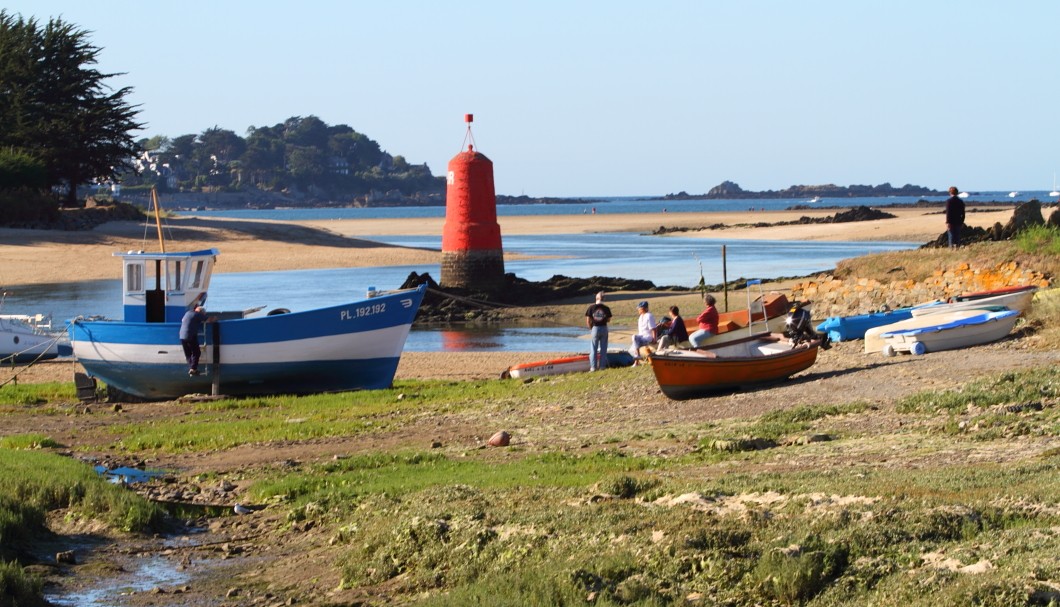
<point>351,346</point>
<point>964,332</point>
<point>846,328</point>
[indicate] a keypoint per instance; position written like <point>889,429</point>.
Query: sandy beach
<point>48,256</point>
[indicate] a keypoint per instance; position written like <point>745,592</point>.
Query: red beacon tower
<point>472,256</point>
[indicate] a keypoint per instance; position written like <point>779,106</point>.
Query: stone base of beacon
<point>476,269</point>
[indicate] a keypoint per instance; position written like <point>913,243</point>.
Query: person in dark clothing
<point>189,336</point>
<point>954,218</point>
<point>673,332</point>
<point>597,316</point>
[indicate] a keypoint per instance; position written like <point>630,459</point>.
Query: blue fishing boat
<point>352,346</point>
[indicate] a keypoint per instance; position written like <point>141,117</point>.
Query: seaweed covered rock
<point>465,305</point>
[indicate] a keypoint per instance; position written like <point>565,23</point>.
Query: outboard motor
<point>799,326</point>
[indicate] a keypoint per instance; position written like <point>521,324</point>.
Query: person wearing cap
<point>645,329</point>
<point>597,316</point>
<point>954,218</point>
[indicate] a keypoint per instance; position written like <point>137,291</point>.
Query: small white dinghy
<point>1017,298</point>
<point>874,341</point>
<point>961,333</point>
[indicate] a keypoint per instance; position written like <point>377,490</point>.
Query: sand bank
<point>47,256</point>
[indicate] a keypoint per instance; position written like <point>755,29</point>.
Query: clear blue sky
<point>616,97</point>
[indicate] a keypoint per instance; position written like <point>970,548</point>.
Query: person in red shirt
<point>708,323</point>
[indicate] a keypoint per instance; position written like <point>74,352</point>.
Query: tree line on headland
<point>68,136</point>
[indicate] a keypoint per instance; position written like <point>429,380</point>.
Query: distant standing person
<point>645,329</point>
<point>189,336</point>
<point>954,218</point>
<point>674,332</point>
<point>708,323</point>
<point>597,316</point>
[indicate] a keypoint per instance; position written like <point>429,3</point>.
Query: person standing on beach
<point>597,316</point>
<point>954,218</point>
<point>708,323</point>
<point>645,330</point>
<point>189,336</point>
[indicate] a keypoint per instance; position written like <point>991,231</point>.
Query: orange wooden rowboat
<point>749,361</point>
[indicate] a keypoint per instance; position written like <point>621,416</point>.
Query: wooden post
<point>158,220</point>
<point>725,277</point>
<point>215,390</point>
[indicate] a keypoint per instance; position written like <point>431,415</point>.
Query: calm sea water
<point>664,261</point>
<point>606,205</point>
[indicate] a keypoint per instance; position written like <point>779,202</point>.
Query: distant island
<point>730,190</point>
<point>255,198</point>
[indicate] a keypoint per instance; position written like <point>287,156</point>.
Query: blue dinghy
<point>846,328</point>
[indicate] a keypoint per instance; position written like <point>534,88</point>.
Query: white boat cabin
<point>161,287</point>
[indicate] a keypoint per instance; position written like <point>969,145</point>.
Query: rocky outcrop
<point>463,305</point>
<point>1025,215</point>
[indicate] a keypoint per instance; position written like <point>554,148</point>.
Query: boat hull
<point>846,328</point>
<point>963,333</point>
<point>567,364</point>
<point>347,347</point>
<point>747,362</point>
<point>1017,300</point>
<point>22,341</point>
<point>19,348</point>
<point>875,342</point>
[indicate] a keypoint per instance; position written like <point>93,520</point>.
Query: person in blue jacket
<point>189,336</point>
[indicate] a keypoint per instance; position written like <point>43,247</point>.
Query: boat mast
<point>158,219</point>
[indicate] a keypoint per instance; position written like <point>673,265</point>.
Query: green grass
<point>340,484</point>
<point>229,423</point>
<point>37,481</point>
<point>19,588</point>
<point>15,395</point>
<point>1039,240</point>
<point>27,441</point>
<point>34,483</point>
<point>1016,388</point>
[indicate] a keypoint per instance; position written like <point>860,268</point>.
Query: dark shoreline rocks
<point>860,213</point>
<point>729,190</point>
<point>455,305</point>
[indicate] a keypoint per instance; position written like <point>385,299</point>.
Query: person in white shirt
<point>645,329</point>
